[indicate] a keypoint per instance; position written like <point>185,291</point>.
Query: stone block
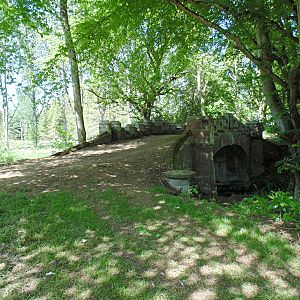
<point>105,126</point>
<point>203,164</point>
<point>221,124</point>
<point>172,128</point>
<point>123,134</point>
<point>142,129</point>
<point>233,123</point>
<point>151,127</point>
<point>132,131</point>
<point>116,130</point>
<point>225,152</point>
<point>158,126</point>
<point>103,138</point>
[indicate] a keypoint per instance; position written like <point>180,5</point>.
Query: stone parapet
<point>140,129</point>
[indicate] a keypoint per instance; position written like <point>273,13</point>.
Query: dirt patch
<point>134,164</point>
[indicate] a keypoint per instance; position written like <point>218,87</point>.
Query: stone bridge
<point>223,152</point>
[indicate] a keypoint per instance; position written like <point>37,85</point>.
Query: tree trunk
<point>81,133</point>
<point>5,123</point>
<point>129,109</point>
<point>21,131</point>
<point>63,114</point>
<point>199,94</point>
<point>35,116</point>
<point>146,115</point>
<point>3,87</point>
<point>288,123</point>
<point>268,86</point>
<point>297,185</point>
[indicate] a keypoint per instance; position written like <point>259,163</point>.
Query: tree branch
<point>228,10</point>
<point>237,41</point>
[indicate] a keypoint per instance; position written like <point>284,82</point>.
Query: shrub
<point>6,157</point>
<point>63,140</point>
<point>277,205</point>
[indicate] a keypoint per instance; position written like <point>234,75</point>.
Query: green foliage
<point>290,163</point>
<point>277,205</point>
<point>194,192</point>
<point>214,85</point>
<point>63,139</point>
<point>7,157</point>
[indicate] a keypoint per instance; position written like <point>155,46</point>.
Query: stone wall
<point>113,131</point>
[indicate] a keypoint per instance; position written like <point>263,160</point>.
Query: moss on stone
<point>180,174</point>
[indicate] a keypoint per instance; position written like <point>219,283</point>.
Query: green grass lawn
<point>24,150</point>
<point>147,245</point>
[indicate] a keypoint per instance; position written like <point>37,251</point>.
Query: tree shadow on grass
<point>56,246</point>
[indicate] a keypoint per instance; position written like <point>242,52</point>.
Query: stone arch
<point>231,166</point>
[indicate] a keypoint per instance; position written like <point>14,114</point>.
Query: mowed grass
<point>146,245</point>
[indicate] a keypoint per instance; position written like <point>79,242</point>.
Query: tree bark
<point>81,133</point>
<point>5,123</point>
<point>268,86</point>
<point>289,122</point>
<point>298,15</point>
<point>297,185</point>
<point>36,118</point>
<point>199,91</point>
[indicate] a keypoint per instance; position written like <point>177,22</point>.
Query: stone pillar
<point>256,158</point>
<point>116,130</point>
<point>202,130</point>
<point>203,165</point>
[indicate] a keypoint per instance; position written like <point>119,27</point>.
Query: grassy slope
<point>147,245</point>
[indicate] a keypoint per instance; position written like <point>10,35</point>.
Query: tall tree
<point>137,52</point>
<point>81,133</point>
<point>9,59</point>
<point>5,110</point>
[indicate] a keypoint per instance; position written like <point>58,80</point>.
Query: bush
<point>277,205</point>
<point>63,140</point>
<point>6,157</point>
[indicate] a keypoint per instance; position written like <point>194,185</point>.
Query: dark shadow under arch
<point>231,166</point>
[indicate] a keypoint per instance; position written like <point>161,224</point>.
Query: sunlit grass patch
<point>109,245</point>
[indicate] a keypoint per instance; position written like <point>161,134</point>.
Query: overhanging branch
<point>237,41</point>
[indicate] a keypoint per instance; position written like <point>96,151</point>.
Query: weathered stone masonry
<point>113,131</point>
<point>224,152</point>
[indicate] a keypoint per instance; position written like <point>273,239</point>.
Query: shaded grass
<point>148,245</point>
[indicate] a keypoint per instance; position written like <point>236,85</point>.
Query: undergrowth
<point>7,157</point>
<point>280,206</point>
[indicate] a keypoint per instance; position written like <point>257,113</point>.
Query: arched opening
<point>231,169</point>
